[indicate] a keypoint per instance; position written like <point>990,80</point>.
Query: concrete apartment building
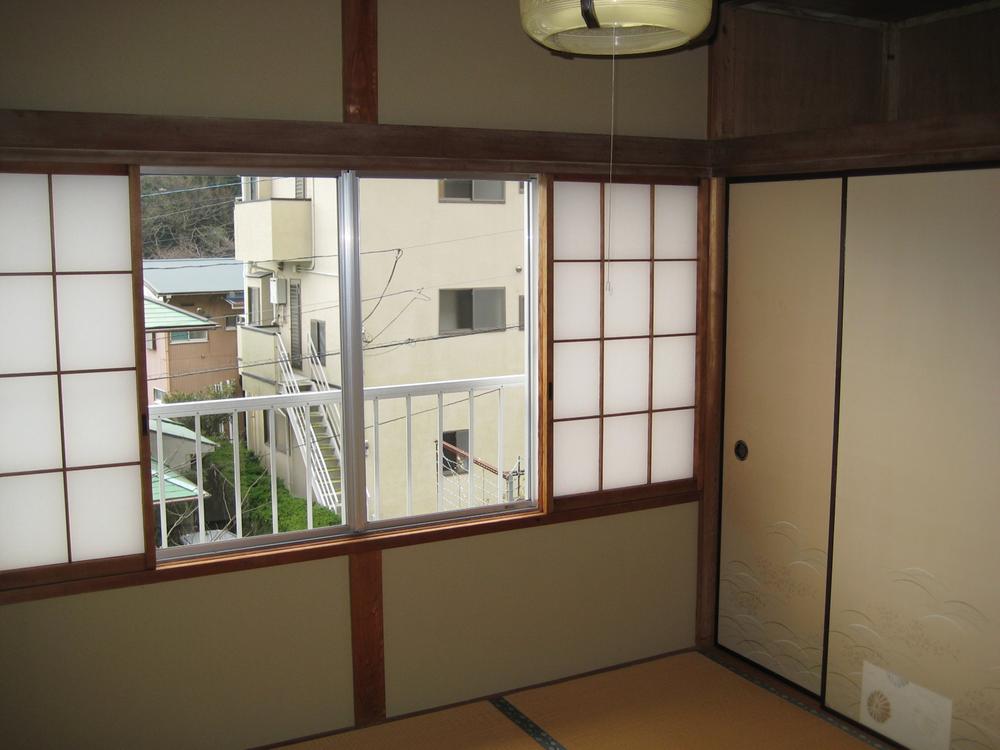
<point>443,284</point>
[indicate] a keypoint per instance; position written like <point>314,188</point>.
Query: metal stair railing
<point>324,488</point>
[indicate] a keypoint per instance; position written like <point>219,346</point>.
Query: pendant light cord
<point>611,158</point>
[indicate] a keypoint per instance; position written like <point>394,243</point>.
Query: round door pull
<point>741,450</point>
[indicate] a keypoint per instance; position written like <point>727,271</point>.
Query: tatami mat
<point>474,726</point>
<point>683,702</point>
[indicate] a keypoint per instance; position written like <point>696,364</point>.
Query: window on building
<point>295,322</point>
<point>232,322</point>
<point>187,337</point>
<point>159,395</point>
<point>253,306</point>
<point>471,191</point>
<point>151,341</point>
<point>455,452</point>
<point>462,310</point>
<point>317,335</point>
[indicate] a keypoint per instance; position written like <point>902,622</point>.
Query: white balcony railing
<point>216,502</point>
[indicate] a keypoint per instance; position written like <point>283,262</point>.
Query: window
<point>455,452</point>
<point>232,322</point>
<point>461,310</point>
<point>188,337</point>
<point>624,331</point>
<point>471,191</point>
<point>151,341</point>
<point>253,306</point>
<point>159,395</point>
<point>70,462</point>
<point>317,335</point>
<point>295,321</point>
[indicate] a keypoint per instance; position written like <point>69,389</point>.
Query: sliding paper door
<point>914,647</point>
<point>781,341</point>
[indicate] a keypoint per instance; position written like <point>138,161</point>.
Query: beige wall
<point>225,661</point>
<point>207,58</point>
<point>915,546</point>
<point>249,658</point>
<point>468,63</point>
<point>476,616</point>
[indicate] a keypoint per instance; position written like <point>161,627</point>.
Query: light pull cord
<point>611,161</point>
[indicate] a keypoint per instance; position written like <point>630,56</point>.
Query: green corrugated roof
<point>175,487</point>
<point>176,429</point>
<point>163,317</point>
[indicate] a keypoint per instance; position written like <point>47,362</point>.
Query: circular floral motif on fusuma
<point>879,707</point>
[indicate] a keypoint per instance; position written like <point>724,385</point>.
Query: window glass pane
<point>436,283</point>
<point>488,308</point>
<point>488,190</point>
<point>456,189</point>
<point>25,240</point>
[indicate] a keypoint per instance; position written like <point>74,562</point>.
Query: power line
<point>392,272</point>
<point>189,210</point>
<point>404,342</point>
<point>227,262</point>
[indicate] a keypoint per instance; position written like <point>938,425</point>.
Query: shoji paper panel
<point>24,223</point>
<point>631,294</point>
<point>784,253</point>
<point>915,607</point>
<point>58,425</point>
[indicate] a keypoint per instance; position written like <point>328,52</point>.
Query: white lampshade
<point>627,27</point>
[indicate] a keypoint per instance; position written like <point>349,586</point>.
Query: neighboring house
<point>211,288</point>
<point>171,335</point>
<point>179,444</point>
<point>441,260</point>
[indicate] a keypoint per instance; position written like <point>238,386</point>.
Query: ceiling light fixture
<point>625,27</point>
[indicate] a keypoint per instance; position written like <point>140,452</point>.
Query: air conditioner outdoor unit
<point>279,291</point>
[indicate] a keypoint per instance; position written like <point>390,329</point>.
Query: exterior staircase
<point>317,438</point>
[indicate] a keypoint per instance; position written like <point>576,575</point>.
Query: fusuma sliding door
<point>781,348</point>
<point>914,649</point>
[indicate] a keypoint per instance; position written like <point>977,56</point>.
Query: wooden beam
<point>711,412</point>
<point>288,146</point>
<point>359,34</point>
<point>958,139</point>
<point>368,648</point>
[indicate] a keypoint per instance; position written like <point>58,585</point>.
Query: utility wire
<point>189,210</point>
<point>403,342</point>
<point>392,272</point>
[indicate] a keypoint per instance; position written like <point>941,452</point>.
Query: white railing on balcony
<point>197,504</point>
<point>187,520</point>
<point>326,489</point>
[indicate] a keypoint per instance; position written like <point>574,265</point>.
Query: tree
<point>188,216</point>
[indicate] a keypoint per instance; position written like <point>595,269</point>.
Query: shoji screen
<point>625,288</point>
<point>69,445</point>
<point>914,647</point>
<point>781,350</point>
